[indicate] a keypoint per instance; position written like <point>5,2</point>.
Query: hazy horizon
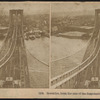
<point>76,8</point>
<point>29,8</point>
<point>57,9</point>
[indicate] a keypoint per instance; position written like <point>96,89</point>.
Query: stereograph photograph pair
<point>50,46</point>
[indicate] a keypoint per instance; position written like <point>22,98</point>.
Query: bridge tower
<point>89,78</point>
<point>20,52</point>
<point>13,61</point>
<point>86,74</point>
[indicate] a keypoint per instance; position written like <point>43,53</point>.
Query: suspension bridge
<point>87,73</point>
<point>16,61</point>
<point>13,60</point>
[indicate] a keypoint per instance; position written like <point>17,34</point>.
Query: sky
<point>42,8</point>
<point>70,7</point>
<point>29,8</point>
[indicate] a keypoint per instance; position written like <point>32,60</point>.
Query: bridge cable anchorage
<point>69,79</point>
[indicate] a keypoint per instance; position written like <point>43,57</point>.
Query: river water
<point>60,47</point>
<point>38,59</point>
<point>66,54</point>
<point>40,48</point>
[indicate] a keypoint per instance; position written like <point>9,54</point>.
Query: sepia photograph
<point>24,45</point>
<point>49,49</point>
<point>75,45</point>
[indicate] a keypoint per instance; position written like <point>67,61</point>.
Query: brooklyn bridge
<point>85,75</point>
<point>13,60</point>
<point>14,72</point>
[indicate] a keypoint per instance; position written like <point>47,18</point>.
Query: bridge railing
<point>7,56</point>
<point>6,53</point>
<point>65,77</point>
<point>6,44</point>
